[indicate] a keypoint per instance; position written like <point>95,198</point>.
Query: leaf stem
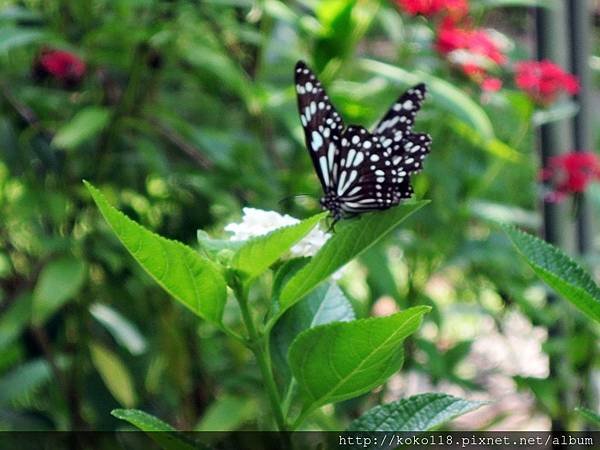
<point>260,347</point>
<point>289,395</point>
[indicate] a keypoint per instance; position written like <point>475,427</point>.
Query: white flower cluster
<point>257,222</point>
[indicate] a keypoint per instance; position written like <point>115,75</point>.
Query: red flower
<point>570,173</point>
<point>64,67</point>
<point>491,84</point>
<point>544,81</point>
<point>474,50</point>
<point>453,8</point>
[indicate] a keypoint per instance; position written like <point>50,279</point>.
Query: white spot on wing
<point>324,169</point>
<point>317,141</point>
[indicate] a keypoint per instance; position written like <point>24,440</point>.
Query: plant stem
<point>260,347</point>
<point>287,401</point>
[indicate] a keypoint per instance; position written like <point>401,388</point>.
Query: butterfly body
<point>360,170</point>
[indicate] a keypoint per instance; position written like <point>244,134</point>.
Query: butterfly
<point>360,170</point>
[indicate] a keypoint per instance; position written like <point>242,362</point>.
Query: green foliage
<point>592,417</point>
<point>325,304</point>
<point>160,432</point>
<point>14,37</point>
<point>227,413</point>
<point>193,280</point>
<point>443,93</point>
<point>86,124</point>
<point>257,254</point>
<point>417,413</point>
<point>184,116</point>
<point>15,320</point>
<point>114,373</point>
<point>59,282</point>
<point>342,360</point>
<point>559,271</point>
<point>124,331</point>
<point>22,383</point>
<point>350,240</point>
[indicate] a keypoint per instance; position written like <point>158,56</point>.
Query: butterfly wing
<point>368,179</point>
<point>400,118</point>
<point>395,130</point>
<point>322,124</point>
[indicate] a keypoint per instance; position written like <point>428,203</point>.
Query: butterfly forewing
<point>321,123</point>
<point>400,118</point>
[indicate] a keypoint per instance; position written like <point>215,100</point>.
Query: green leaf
<point>257,254</point>
<point>351,238</point>
<point>590,415</point>
<point>14,37</point>
<point>84,125</point>
<point>417,413</point>
<point>191,279</point>
<point>227,413</point>
<point>499,212</point>
<point>444,94</point>
<point>326,304</point>
<point>59,281</point>
<point>559,271</point>
<point>557,112</point>
<point>161,432</point>
<point>142,420</point>
<point>22,382</point>
<point>124,332</point>
<point>215,246</point>
<point>15,319</point>
<point>114,373</point>
<point>342,360</point>
<point>493,146</point>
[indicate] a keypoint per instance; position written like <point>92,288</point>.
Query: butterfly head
<point>332,203</point>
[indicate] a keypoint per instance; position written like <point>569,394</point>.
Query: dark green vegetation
<point>186,113</point>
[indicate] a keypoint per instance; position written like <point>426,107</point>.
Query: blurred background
<point>183,111</point>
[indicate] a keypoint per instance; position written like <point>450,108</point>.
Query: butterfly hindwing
<point>414,147</point>
<point>368,179</point>
<point>322,124</point>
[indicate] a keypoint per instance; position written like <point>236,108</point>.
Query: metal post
<point>554,138</point>
<point>579,33</point>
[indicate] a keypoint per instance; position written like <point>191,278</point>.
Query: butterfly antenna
<point>294,196</point>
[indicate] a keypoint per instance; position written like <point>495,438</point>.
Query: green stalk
<point>259,344</point>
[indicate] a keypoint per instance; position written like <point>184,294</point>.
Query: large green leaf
<point>59,281</point>
<point>444,94</point>
<point>84,125</point>
<point>114,373</point>
<point>351,238</point>
<point>417,413</point>
<point>559,271</point>
<point>193,280</point>
<point>342,360</point>
<point>325,304</point>
<point>257,254</point>
<point>161,432</point>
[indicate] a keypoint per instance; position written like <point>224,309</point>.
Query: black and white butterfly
<point>359,170</point>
